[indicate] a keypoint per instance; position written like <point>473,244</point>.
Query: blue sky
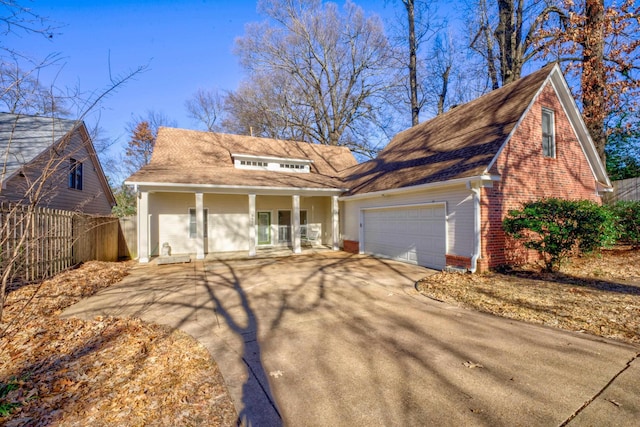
<point>187,45</point>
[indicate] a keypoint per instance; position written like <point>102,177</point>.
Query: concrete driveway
<point>341,339</point>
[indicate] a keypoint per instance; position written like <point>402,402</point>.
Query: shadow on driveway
<point>336,339</point>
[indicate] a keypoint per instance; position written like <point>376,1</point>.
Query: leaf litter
<point>108,371</point>
<point>597,294</point>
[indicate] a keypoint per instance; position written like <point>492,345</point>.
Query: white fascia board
<point>570,108</point>
<point>578,126</point>
<point>275,159</point>
<point>231,189</point>
<point>481,179</point>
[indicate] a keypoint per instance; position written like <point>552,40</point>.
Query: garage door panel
<point>415,234</point>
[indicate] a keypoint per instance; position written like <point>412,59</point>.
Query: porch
<point>236,225</point>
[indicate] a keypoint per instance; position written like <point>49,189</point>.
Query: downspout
<point>477,250</point>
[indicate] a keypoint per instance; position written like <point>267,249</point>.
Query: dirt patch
<point>598,294</point>
<point>107,371</point>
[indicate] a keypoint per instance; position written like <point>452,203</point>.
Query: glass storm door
<point>264,228</point>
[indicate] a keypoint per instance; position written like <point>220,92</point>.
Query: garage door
<point>416,235</point>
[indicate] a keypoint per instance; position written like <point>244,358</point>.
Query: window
<point>254,163</point>
<point>75,174</point>
<point>291,166</point>
<point>192,223</point>
<point>548,134</point>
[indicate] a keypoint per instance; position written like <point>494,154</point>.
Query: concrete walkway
<point>339,339</point>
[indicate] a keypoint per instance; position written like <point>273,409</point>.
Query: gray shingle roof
<point>23,138</point>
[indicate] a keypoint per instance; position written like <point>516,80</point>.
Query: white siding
<point>228,219</point>
<point>459,210</point>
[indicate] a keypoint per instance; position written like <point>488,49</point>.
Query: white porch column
<point>199,226</point>
<point>252,224</point>
<point>143,227</point>
<point>335,223</point>
<point>296,224</point>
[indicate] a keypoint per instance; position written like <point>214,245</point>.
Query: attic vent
<point>253,163</point>
<point>290,166</point>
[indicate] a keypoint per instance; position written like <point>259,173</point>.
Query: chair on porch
<point>309,236</point>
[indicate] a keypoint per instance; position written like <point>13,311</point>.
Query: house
<point>435,196</point>
<point>208,192</point>
<point>51,162</point>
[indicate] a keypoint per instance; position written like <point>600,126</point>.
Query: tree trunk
<point>593,78</point>
<point>413,73</point>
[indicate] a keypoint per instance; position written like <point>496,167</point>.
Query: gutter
<point>477,249</point>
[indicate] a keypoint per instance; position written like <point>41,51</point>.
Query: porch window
<point>548,134</point>
<point>192,223</point>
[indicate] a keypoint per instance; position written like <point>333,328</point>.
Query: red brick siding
<point>351,246</point>
<point>527,175</point>
<point>458,261</point>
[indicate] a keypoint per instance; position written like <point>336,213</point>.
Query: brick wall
<point>527,175</point>
<point>351,246</point>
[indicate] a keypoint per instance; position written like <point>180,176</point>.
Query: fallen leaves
<point>598,294</point>
<point>108,371</point>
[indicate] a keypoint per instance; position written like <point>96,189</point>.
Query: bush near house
<point>558,228</point>
<point>626,215</point>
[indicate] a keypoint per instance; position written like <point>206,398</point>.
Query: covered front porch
<point>213,224</point>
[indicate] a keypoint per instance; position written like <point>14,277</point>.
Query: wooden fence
<point>41,242</point>
<point>625,189</point>
<point>128,238</point>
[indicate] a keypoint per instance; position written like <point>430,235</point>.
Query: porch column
<point>199,226</point>
<point>296,224</point>
<point>252,224</point>
<point>335,223</point>
<point>143,227</point>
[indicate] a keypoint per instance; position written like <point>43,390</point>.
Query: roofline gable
<point>570,108</point>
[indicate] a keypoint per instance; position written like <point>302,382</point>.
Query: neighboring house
<point>52,163</point>
<point>206,192</point>
<point>435,196</point>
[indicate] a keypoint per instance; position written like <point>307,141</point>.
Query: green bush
<point>556,228</point>
<point>627,220</point>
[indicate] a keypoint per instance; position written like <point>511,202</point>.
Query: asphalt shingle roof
<point>457,144</point>
<point>23,138</point>
<point>184,156</point>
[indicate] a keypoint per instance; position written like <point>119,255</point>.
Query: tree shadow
<point>256,388</point>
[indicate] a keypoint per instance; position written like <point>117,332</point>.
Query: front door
<point>264,228</point>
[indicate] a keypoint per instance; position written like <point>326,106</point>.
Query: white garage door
<point>416,235</point>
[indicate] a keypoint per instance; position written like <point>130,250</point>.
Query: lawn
<point>597,294</point>
<point>107,371</point>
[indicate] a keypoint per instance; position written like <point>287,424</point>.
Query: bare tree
<point>333,64</point>
<point>504,32</point>
<point>38,180</point>
<point>598,42</point>
<point>207,108</point>
<point>22,93</point>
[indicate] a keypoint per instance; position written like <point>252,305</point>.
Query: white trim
<point>241,189</point>
<point>477,229</point>
<point>570,108</point>
<point>517,125</point>
<point>484,179</point>
<point>252,225</point>
<point>552,117</point>
<point>270,158</point>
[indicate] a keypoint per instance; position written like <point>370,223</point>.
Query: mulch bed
<point>108,371</point>
<point>597,294</point>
